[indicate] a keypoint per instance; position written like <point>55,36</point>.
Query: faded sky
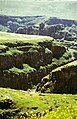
<point>54,8</point>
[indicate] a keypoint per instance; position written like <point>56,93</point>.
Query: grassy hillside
<point>13,38</point>
<point>30,105</point>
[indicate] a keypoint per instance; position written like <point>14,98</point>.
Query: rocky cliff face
<point>61,80</point>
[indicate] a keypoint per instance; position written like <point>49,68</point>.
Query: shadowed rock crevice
<point>6,104</point>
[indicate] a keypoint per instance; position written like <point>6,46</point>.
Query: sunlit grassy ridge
<point>74,63</point>
<point>14,38</point>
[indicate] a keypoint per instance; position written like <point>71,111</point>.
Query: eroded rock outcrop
<point>28,59</point>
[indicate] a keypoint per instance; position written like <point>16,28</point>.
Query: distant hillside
<point>55,20</point>
<point>63,30</point>
<point>11,23</point>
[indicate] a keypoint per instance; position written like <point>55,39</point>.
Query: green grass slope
<point>14,38</point>
<point>16,104</point>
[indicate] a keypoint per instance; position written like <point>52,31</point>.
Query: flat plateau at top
<point>14,38</point>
